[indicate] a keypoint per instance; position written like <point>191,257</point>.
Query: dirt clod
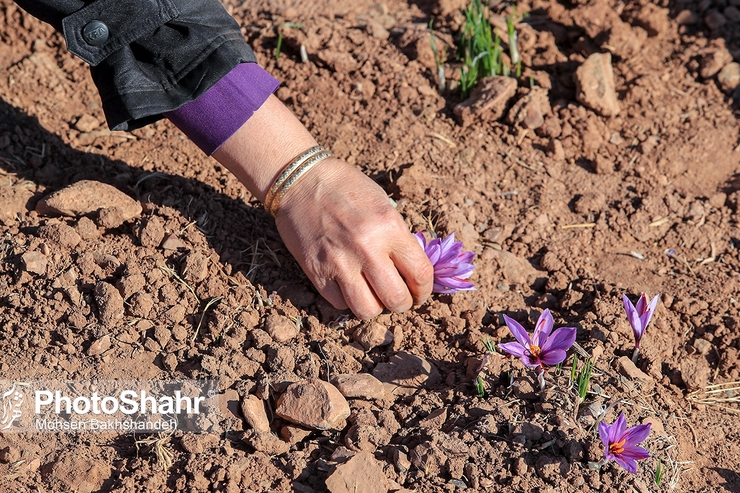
<point>88,196</point>
<point>360,474</point>
<point>594,81</point>
<point>314,404</point>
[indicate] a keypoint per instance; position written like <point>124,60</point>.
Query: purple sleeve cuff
<point>219,112</point>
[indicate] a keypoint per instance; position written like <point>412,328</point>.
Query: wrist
<point>259,151</point>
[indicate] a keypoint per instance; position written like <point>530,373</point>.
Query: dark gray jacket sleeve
<point>147,57</point>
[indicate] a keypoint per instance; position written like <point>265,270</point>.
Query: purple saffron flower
<point>452,266</point>
<point>543,348</point>
<point>640,315</point>
<point>620,443</point>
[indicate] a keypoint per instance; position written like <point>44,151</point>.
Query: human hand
<point>351,243</point>
<point>336,221</point>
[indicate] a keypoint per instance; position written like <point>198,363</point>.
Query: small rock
<point>530,110</point>
<point>400,460</point>
<point>595,84</point>
<point>87,123</point>
<point>718,199</point>
<point>314,404</point>
<point>110,303</point>
<point>372,334</point>
<point>714,61</point>
<point>405,373</point>
<point>87,229</point>
<point>729,77</point>
<point>293,434</point>
<point>111,217</point>
<point>376,30</point>
<point>342,453</point>
<point>703,346</point>
<point>175,315</point>
<point>531,432</point>
<point>131,284</point>
<point>339,61</point>
<point>555,149</point>
<point>714,20</point>
<point>281,328</point>
<point>140,304</point>
<point>35,262</point>
<point>435,420</point>
<point>361,474</point>
<point>152,232</point>
<point>603,165</point>
<point>195,267</point>
<point>695,372</point>
<point>162,335</point>
<point>524,388</point>
<point>626,367</point>
<point>99,346</point>
<point>254,413</point>
<point>85,197</point>
<point>360,386</point>
<point>488,100</point>
<point>266,442</point>
<point>686,17</point>
<point>173,242</point>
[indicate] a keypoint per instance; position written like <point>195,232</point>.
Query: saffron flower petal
<point>621,444</point>
<point>639,315</point>
<point>553,357</point>
<point>452,265</point>
<point>562,339</point>
<point>543,328</point>
<point>543,347</point>
<point>519,333</point>
<point>513,348</point>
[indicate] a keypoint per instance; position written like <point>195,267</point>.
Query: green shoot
<point>280,36</point>
<point>574,368</point>
<point>513,49</point>
<point>583,380</point>
<point>479,387</point>
<point>438,60</point>
<point>488,343</point>
<point>479,47</point>
<point>659,472</point>
<point>531,82</point>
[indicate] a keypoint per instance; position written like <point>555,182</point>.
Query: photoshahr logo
<point>12,402</point>
<point>136,406</point>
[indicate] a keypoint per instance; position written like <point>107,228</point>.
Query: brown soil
<point>646,200</point>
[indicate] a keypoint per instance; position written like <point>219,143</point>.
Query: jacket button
<point>95,33</point>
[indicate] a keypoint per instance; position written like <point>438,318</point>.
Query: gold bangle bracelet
<point>297,174</point>
<point>294,164</point>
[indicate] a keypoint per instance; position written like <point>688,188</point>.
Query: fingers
<point>333,294</point>
<point>361,299</point>
<point>388,285</point>
<point>415,267</point>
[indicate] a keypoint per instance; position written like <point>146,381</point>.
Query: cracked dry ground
<point>568,216</point>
